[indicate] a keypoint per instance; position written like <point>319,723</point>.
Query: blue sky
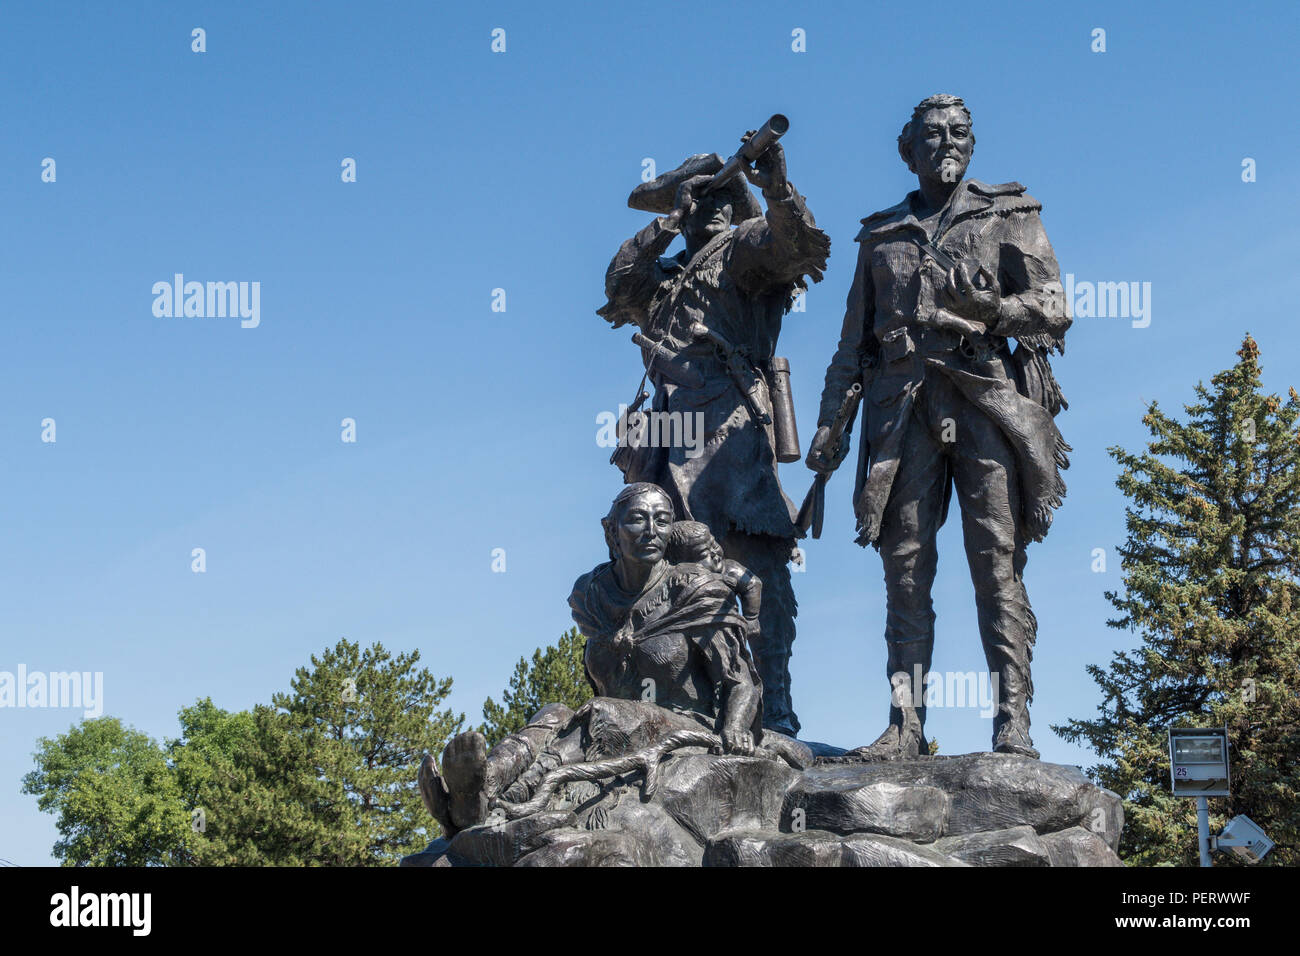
<point>477,429</point>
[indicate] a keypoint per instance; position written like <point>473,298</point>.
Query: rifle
<point>669,363</point>
<point>813,508</point>
<point>740,370</point>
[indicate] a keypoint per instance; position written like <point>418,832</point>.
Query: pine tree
<point>366,719</point>
<point>253,781</point>
<point>324,777</point>
<point>204,761</point>
<point>1211,568</point>
<point>555,676</point>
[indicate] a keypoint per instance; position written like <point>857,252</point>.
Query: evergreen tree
<point>555,676</point>
<point>267,803</point>
<point>1210,571</point>
<point>366,719</point>
<point>259,798</point>
<point>204,762</point>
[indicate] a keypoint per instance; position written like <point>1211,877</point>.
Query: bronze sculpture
<point>662,632</point>
<point>666,653</point>
<point>709,318</point>
<point>944,280</point>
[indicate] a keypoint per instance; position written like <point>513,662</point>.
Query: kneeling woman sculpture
<point>667,656</point>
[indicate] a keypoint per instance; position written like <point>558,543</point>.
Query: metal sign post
<point>1203,829</point>
<point>1198,767</point>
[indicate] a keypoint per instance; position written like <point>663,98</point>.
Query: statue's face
<point>942,144</point>
<point>710,217</point>
<point>642,527</point>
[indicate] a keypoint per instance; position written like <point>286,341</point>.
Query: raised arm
<point>785,244</point>
<point>634,274</point>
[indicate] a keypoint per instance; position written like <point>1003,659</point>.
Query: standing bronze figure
<point>709,318</point>
<point>945,280</point>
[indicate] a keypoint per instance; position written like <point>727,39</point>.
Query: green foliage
<point>204,757</point>
<point>117,802</point>
<point>262,800</point>
<point>1211,569</point>
<point>367,719</point>
<point>555,676</point>
<point>325,776</point>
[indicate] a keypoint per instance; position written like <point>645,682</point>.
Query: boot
<point>901,741</point>
<point>1011,725</point>
<point>904,738</point>
<point>1012,737</point>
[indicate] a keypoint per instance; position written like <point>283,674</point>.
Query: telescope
<point>749,151</point>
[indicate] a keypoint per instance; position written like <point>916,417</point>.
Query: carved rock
<point>435,854</point>
<point>1016,846</point>
<point>1076,846</point>
<point>990,791</point>
<point>719,810</point>
<point>818,848</point>
<point>847,802</point>
<point>503,843</point>
<point>707,794</point>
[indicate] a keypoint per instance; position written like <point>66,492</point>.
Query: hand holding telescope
<point>760,157</point>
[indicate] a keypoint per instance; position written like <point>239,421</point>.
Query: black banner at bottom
<point>393,905</point>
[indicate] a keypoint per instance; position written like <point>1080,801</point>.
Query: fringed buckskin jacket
<point>739,285</point>
<point>890,344</point>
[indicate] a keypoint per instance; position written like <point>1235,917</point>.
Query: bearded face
<point>941,144</point>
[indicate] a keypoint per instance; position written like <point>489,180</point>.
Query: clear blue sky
<point>476,429</point>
